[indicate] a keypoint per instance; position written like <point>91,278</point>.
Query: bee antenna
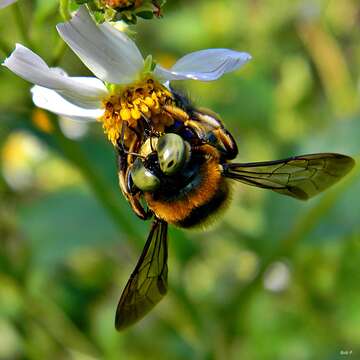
<point>149,130</point>
<point>147,120</point>
<point>135,154</point>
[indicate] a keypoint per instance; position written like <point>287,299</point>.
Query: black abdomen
<point>200,215</point>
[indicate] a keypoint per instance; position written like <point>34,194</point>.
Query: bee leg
<point>208,128</point>
<point>135,196</point>
<point>228,144</point>
<point>131,196</point>
<point>176,112</point>
<point>138,208</point>
<point>125,180</point>
<point>122,163</point>
<point>218,137</point>
<point>133,199</point>
<point>213,127</point>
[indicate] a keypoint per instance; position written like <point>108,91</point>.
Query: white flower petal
<point>4,3</point>
<point>85,92</point>
<point>110,54</point>
<point>204,65</point>
<point>50,100</point>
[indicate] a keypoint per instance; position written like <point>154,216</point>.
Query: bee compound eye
<point>172,153</point>
<point>142,177</point>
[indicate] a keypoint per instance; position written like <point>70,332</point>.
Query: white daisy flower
<point>4,3</point>
<point>126,87</point>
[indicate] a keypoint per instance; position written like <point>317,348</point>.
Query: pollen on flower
<point>127,110</point>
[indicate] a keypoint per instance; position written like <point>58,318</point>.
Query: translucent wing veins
<point>148,282</point>
<point>301,176</point>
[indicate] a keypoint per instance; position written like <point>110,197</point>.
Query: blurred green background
<point>274,278</point>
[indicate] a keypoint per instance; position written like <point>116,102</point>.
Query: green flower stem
<point>106,196</point>
<point>22,24</point>
<point>64,9</point>
<point>58,53</point>
<point>4,47</point>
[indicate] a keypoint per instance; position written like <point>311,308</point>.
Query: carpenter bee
<point>182,174</point>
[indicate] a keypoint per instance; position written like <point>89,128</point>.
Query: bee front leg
<point>216,133</point>
<point>125,186</point>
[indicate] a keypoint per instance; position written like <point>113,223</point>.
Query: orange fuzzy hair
<point>175,212</point>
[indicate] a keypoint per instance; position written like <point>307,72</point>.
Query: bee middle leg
<point>229,146</point>
<point>216,136</point>
<point>124,159</point>
<point>130,196</point>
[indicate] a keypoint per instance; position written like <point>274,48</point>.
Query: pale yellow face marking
<point>149,146</point>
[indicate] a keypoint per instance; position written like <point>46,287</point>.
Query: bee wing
<point>301,177</point>
<point>148,282</point>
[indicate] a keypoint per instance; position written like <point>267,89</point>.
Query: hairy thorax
<point>193,196</point>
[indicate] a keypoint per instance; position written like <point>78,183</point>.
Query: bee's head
<point>169,158</point>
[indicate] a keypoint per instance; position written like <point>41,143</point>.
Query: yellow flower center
<point>128,111</point>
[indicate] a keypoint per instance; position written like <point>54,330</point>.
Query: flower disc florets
<point>131,107</point>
